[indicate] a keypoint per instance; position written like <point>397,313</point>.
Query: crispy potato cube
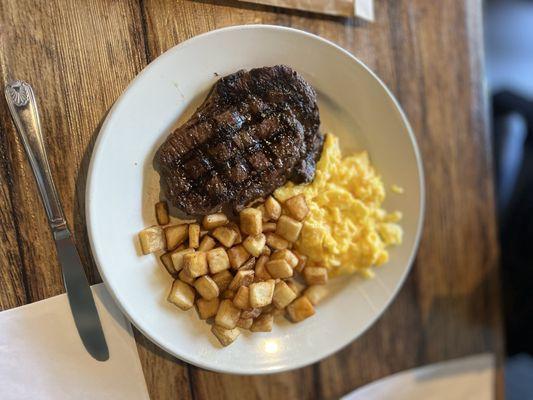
<point>316,293</point>
<point>263,323</point>
<point>235,227</point>
<point>248,264</point>
<point>269,227</point>
<point>227,294</point>
<point>218,260</point>
<point>195,264</point>
<point>152,239</point>
<point>194,236</point>
<point>166,260</point>
<point>242,298</point>
<point>177,258</point>
<point>227,315</point>
<point>297,207</point>
<point>225,235</point>
<point>264,216</point>
<point>237,256</point>
<point>161,213</point>
<point>288,228</point>
<point>207,243</point>
<point>185,277</point>
<point>225,336</point>
<point>213,221</point>
<point>207,308</point>
<point>181,295</point>
<point>242,278</point>
<point>261,273</point>
<point>245,323</point>
<point>315,275</point>
<point>266,251</point>
<point>295,286</point>
<point>302,261</point>
<point>253,313</point>
<point>206,287</point>
<point>276,242</point>
<point>279,269</point>
<point>286,255</point>
<point>222,279</point>
<point>283,295</point>
<point>272,208</point>
<point>251,221</point>
<point>300,309</point>
<point>261,293</point>
<point>176,235</point>
<point>255,244</point>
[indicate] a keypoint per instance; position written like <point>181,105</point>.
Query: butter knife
<point>23,107</point>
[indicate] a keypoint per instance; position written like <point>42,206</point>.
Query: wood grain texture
<point>80,56</point>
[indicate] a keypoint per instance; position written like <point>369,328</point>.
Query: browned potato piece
<point>207,308</point>
<point>248,264</point>
<point>207,243</point>
<point>300,309</point>
<point>213,221</point>
<point>302,261</point>
<point>222,279</point>
<point>161,213</point>
<point>245,323</point>
<point>295,286</point>
<point>286,255</point>
<point>225,235</point>
<point>266,251</point>
<point>276,242</point>
<point>269,227</point>
<point>255,244</point>
<point>263,323</point>
<point>235,227</point>
<point>152,239</point>
<point>264,216</point>
<point>288,228</point>
<point>185,277</point>
<point>195,264</point>
<point>251,221</point>
<point>261,293</point>
<point>166,259</point>
<point>283,295</point>
<point>176,235</point>
<point>242,278</point>
<point>206,287</point>
<point>181,295</point>
<point>227,294</point>
<point>177,258</point>
<point>242,298</point>
<point>218,260</point>
<point>297,207</point>
<point>279,269</point>
<point>238,256</point>
<point>253,313</point>
<point>225,336</point>
<point>272,208</point>
<point>227,315</point>
<point>316,293</point>
<point>194,236</point>
<point>261,273</point>
<point>315,275</point>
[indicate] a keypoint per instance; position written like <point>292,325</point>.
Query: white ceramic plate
<point>123,187</point>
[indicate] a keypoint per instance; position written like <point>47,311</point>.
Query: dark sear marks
<point>256,130</point>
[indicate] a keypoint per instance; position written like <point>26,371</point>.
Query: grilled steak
<point>256,130</point>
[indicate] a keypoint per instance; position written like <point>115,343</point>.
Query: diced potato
<point>218,260</point>
<point>227,294</point>
<point>207,308</point>
<point>195,264</point>
<point>237,230</point>
<point>207,243</point>
<point>203,233</point>
<point>253,313</point>
<point>300,309</point>
<point>288,228</point>
<point>206,287</point>
<point>279,269</point>
<point>222,279</point>
<point>315,275</point>
<point>152,239</point>
<point>177,258</point>
<point>264,216</point>
<point>283,295</point>
<point>261,293</point>
<point>295,286</point>
<point>225,336</point>
<point>176,235</point>
<point>166,259</point>
<point>194,236</point>
<point>181,295</point>
<point>248,264</point>
<point>242,278</point>
<point>261,273</point>
<point>286,255</point>
<point>263,323</point>
<point>227,315</point>
<point>316,293</point>
<point>269,227</point>
<point>242,298</point>
<point>272,208</point>
<point>251,221</point>
<point>266,251</point>
<point>238,256</point>
<point>245,323</point>
<point>297,207</point>
<point>225,235</point>
<point>255,244</point>
<point>213,221</point>
<point>276,242</point>
<point>161,213</point>
<point>185,277</point>
<point>302,261</point>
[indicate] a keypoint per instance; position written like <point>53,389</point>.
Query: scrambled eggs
<point>346,229</point>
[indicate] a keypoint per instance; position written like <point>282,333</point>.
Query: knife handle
<point>23,107</point>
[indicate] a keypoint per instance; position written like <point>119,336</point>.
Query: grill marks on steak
<point>255,130</point>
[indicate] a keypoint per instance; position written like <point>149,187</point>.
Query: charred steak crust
<point>255,130</point>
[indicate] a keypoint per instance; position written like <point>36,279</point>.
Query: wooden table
<point>80,56</point>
